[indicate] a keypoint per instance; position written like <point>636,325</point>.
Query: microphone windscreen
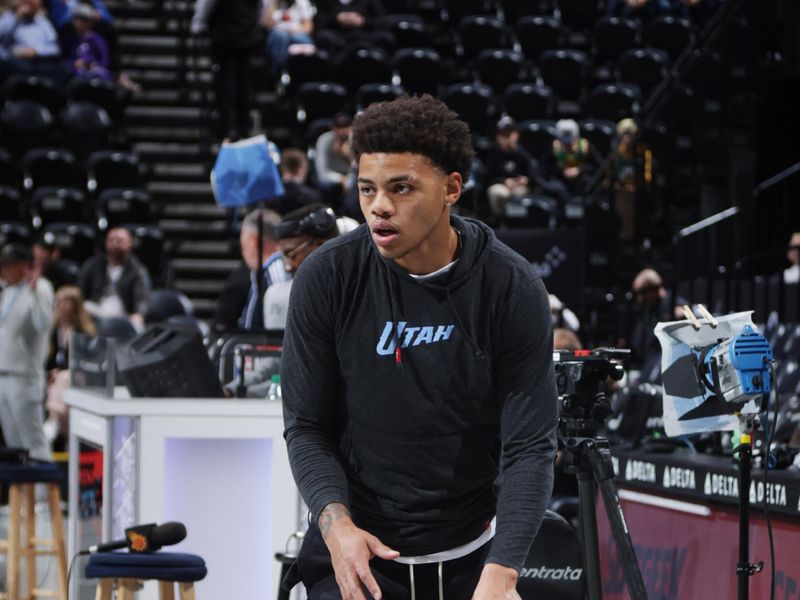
<point>167,534</point>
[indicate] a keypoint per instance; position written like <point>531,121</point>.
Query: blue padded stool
<point>127,569</point>
<point>21,480</point>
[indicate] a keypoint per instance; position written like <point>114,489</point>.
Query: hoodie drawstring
<point>413,586</point>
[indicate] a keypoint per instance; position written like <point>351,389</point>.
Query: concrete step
<point>180,172</point>
<point>225,249</point>
<point>199,210</point>
<point>173,152</point>
<point>203,266</point>
<point>193,229</point>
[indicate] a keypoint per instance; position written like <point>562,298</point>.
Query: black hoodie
<point>410,439</point>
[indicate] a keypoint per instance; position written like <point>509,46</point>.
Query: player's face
<point>404,199</point>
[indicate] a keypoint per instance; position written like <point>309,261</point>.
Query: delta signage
<point>684,477</point>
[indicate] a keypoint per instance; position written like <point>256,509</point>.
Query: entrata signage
<point>550,574</point>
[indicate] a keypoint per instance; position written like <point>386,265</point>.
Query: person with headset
<point>419,397</point>
<point>299,233</point>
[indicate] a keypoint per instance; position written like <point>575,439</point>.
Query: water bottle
<point>274,392</point>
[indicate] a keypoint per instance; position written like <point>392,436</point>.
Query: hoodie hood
<point>476,240</point>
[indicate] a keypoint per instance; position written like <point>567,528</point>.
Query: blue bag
<point>246,172</point>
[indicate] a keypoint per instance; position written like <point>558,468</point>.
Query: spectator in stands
<point>267,255</point>
<point>642,9</point>
<point>509,168</point>
<point>570,150</point>
<point>653,305</point>
<point>70,318</point>
<point>29,44</point>
<point>289,24</point>
<point>792,274</point>
<point>115,283</point>
<point>334,159</point>
<point>26,314</point>
<point>299,234</point>
<point>234,31</point>
<point>85,50</point>
<point>629,154</point>
<point>47,258</point>
<point>354,23</point>
<point>294,173</point>
<point>565,339</point>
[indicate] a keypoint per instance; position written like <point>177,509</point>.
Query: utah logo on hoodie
<point>410,336</point>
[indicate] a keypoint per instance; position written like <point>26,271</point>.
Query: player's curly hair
<point>417,124</point>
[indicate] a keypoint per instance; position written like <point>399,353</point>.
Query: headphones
<point>319,223</point>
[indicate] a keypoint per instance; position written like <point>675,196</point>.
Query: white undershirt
<point>453,553</point>
<point>436,273</point>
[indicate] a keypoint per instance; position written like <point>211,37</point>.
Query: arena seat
<point>613,36</point>
<point>112,169</point>
<point>37,89</point>
<point>376,92</point>
<point>76,240</point>
<point>317,100</point>
<point>478,32</point>
<point>10,205</point>
<point>538,33</point>
<point>303,68</point>
<point>119,206</point>
<point>537,136</point>
<point>500,68</point>
<point>86,128</point>
<point>418,70</point>
<point>14,232</point>
<point>10,173</point>
<point>361,66</point>
<point>600,134</point>
<point>669,33</point>
<point>458,9</point>
<point>564,71</point>
<point>578,15</point>
<point>410,31</point>
<point>27,124</point>
<point>612,101</point>
<point>514,10</point>
<point>149,247</point>
<point>471,102</point>
<point>51,204</point>
<point>524,101</point>
<point>165,303</point>
<point>100,92</point>
<point>50,167</point>
<point>535,211</point>
<point>643,67</point>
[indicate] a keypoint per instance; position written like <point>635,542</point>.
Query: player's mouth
<point>384,233</point>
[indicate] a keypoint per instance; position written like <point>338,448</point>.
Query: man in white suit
<point>26,315</point>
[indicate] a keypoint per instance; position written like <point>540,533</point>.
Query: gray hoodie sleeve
<point>310,389</point>
<point>526,394</point>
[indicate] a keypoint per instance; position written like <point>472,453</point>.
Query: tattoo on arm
<point>329,514</point>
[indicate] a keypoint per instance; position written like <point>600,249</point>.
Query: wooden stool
<point>124,571</point>
<point>22,480</point>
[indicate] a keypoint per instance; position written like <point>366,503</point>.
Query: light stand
<point>744,568</point>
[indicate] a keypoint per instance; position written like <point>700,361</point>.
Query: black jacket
<point>133,286</point>
<point>411,441</point>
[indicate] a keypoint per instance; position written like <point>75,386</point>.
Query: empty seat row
<point>59,167</point>
<point>54,204</point>
<point>103,93</point>
<point>475,103</point>
<point>26,124</point>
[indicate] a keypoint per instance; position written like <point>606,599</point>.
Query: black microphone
<point>145,538</point>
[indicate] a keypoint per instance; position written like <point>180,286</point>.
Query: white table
<point>217,465</point>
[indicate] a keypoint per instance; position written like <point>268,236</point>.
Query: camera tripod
<point>586,455</point>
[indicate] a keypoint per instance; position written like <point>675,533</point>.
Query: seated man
<point>792,274</point>
<point>115,283</point>
<point>300,233</point>
<point>509,168</point>
<point>29,43</point>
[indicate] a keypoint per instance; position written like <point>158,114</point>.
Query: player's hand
<point>497,583</point>
<point>351,550</point>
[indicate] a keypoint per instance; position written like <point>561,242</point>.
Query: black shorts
<point>459,576</point>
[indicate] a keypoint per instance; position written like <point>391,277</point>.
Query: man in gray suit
<point>26,315</point>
